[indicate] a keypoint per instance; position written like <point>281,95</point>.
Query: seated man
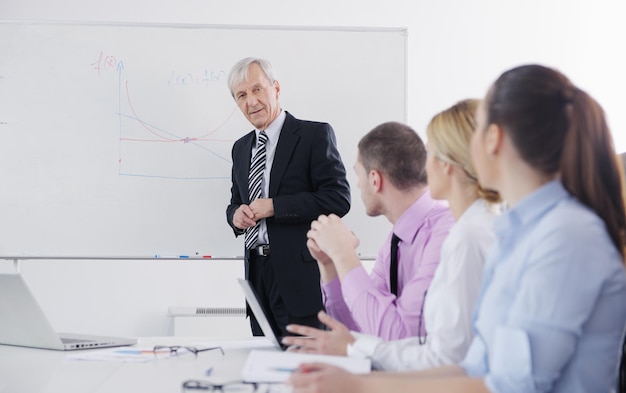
<point>389,302</point>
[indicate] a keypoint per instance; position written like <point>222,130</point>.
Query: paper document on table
<point>270,366</point>
<point>125,354</point>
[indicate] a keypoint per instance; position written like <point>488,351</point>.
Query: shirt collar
<point>273,130</point>
<point>413,218</point>
<point>478,206</point>
<point>532,206</point>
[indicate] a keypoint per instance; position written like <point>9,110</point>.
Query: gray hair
<point>239,72</point>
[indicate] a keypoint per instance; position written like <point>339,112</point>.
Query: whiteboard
<point>115,139</point>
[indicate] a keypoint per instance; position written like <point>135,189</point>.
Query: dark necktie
<point>255,177</point>
<point>393,266</point>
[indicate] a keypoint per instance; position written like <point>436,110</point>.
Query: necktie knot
<point>262,139</point>
<point>395,240</point>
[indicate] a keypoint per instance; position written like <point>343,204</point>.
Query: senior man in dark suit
<point>286,172</point>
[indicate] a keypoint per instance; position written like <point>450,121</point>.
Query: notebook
<point>25,324</point>
<point>275,367</point>
<point>259,314</point>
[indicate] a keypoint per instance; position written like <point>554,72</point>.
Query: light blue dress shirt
<point>552,310</point>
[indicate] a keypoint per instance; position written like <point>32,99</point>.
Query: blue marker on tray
<point>172,256</point>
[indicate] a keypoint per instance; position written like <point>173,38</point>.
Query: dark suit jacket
<point>307,179</point>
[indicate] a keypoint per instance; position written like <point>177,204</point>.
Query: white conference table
<point>29,370</point>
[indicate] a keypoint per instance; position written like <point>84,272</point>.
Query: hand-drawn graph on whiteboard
<point>180,125</point>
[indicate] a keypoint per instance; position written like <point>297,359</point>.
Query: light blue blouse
<point>552,309</point>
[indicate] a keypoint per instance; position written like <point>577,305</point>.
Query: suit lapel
<point>242,173</point>
<point>286,143</point>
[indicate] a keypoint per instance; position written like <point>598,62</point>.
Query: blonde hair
<point>450,132</point>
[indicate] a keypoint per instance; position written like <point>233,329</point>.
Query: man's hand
<point>319,255</point>
<point>246,216</point>
<point>320,377</point>
<point>331,240</point>
<point>243,217</point>
<point>328,342</point>
<point>324,263</point>
<point>262,208</point>
<point>332,236</point>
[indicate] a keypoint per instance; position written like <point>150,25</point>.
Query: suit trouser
<point>262,278</point>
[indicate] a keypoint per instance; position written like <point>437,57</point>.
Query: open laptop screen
<point>259,313</point>
<point>25,324</point>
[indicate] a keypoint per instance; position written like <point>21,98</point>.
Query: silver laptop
<point>25,324</point>
<point>259,314</point>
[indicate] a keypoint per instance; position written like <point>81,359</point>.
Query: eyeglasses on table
<point>181,352</point>
<point>194,386</point>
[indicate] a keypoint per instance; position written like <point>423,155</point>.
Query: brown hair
<point>558,128</point>
<point>450,132</point>
<point>396,150</point>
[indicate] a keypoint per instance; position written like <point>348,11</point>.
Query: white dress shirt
<point>449,301</point>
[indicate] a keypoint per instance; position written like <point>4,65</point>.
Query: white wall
<point>128,298</point>
<point>456,49</point>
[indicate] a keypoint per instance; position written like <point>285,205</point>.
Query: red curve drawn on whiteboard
<point>169,139</point>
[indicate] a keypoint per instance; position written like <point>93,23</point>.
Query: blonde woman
<point>451,296</point>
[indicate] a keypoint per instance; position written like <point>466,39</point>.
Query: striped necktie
<point>255,177</point>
